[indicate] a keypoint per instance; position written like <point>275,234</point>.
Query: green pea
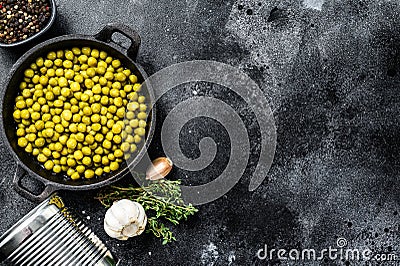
<point>69,55</point>
<point>51,56</point>
<point>78,155</point>
<point>108,75</point>
<point>116,63</point>
<point>48,132</point>
<point>66,115</point>
<point>58,62</point>
<point>22,142</point>
<point>48,165</point>
<point>133,78</point>
<point>85,97</point>
<point>89,139</point>
<point>86,151</point>
<point>133,147</point>
<point>116,129</point>
<point>39,62</point>
<point>116,86</point>
<point>71,143</point>
<point>98,171</point>
<point>142,115</point>
<point>87,161</point>
<point>43,80</point>
<point>118,153</point>
<point>137,139</point>
<point>35,116</point>
<point>114,166</point>
<point>41,158</point>
<point>107,144</point>
<point>80,137</point>
<point>69,74</point>
<point>114,93</point>
<point>89,174</point>
<point>140,131</point>
<point>29,148</point>
<point>137,87</point>
<point>118,102</point>
<point>142,124</point>
<point>99,137</point>
<point>89,83</point>
<point>92,62</point>
<point>121,112</point>
<point>125,146</point>
<point>57,169</point>
<point>47,64</point>
<point>95,118</point>
<point>96,127</point>
<point>71,162</point>
<point>40,142</point>
<point>20,132</point>
<point>128,129</point>
<point>75,176</point>
<point>62,82</point>
<point>29,73</point>
<point>133,106</point>
<point>67,64</point>
<point>120,77</point>
<point>142,107</point>
<point>80,169</point>
<point>86,120</point>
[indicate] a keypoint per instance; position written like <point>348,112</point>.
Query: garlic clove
<point>130,230</point>
<point>142,226</point>
<point>159,169</point>
<point>133,212</point>
<point>112,221</point>
<point>112,233</point>
<point>142,214</point>
<point>122,237</point>
<point>119,217</point>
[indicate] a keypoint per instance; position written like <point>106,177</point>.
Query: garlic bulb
<point>159,169</point>
<point>125,219</point>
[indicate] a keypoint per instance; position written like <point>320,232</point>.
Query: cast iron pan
<point>28,167</point>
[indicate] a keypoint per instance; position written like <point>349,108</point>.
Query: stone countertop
<point>330,71</point>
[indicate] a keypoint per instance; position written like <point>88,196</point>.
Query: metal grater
<point>52,235</point>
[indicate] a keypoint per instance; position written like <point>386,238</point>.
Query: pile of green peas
<point>80,112</point>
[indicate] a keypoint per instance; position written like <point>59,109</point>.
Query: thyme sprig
<point>162,201</point>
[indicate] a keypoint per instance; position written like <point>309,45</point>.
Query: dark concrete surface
<point>331,73</point>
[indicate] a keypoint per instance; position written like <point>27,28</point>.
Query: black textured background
<point>330,71</point>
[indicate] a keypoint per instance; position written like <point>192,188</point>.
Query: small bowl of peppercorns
<point>24,20</point>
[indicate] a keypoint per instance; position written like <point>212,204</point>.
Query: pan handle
<point>106,33</point>
<point>24,192</point>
